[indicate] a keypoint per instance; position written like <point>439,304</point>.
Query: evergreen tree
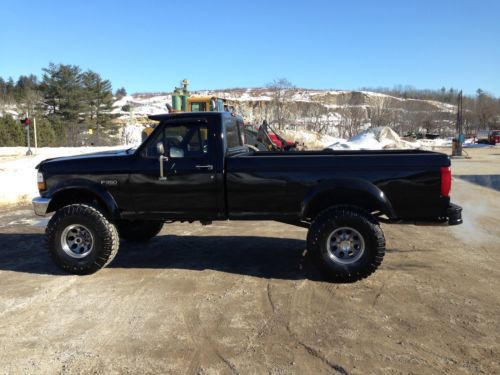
<point>46,134</point>
<point>120,93</point>
<point>25,87</point>
<point>3,88</point>
<point>9,90</point>
<point>64,98</point>
<point>98,100</point>
<point>11,132</point>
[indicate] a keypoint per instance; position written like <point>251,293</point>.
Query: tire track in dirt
<point>286,313</point>
<point>49,291</point>
<point>278,313</point>
<point>382,290</point>
<point>300,306</point>
<point>318,355</point>
<point>121,315</point>
<point>208,352</point>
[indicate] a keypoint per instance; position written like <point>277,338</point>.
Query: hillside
<point>328,114</point>
<point>336,113</point>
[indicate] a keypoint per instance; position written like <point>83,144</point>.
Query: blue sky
<point>151,45</point>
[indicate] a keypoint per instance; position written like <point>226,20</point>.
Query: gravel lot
<point>237,297</point>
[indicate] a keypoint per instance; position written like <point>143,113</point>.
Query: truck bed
<point>261,184</point>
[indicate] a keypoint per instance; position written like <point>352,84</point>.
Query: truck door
<point>190,186</point>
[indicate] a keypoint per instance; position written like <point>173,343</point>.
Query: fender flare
<point>347,187</point>
<point>90,187</point>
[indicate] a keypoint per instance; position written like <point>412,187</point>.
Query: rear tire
<point>81,240</point>
<point>346,243</point>
<point>138,230</point>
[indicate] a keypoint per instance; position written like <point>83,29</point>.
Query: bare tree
<point>316,114</point>
<point>380,112</point>
<point>282,91</point>
<point>486,110</point>
<point>470,126</point>
<point>351,120</point>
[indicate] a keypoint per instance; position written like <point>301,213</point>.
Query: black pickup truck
<point>195,167</point>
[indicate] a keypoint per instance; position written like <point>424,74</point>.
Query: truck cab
<point>182,163</point>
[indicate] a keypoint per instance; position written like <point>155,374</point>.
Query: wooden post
<point>34,130</point>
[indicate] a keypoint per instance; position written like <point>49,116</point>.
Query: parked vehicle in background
<point>483,136</point>
<point>491,137</point>
<point>494,137</point>
<point>265,138</point>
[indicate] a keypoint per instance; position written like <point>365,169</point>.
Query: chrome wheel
<point>345,245</point>
<point>77,241</point>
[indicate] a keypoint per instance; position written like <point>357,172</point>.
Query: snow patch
<point>380,138</point>
<point>18,174</point>
<point>310,139</point>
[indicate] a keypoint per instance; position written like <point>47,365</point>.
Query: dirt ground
<point>237,297</point>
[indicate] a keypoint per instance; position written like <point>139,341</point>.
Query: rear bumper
<point>40,205</point>
<point>453,217</point>
<point>454,214</point>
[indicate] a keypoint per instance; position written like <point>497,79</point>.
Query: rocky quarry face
<point>335,113</point>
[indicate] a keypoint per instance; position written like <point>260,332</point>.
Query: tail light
<point>445,181</point>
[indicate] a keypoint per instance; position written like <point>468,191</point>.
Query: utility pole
<point>34,131</point>
<point>459,140</point>
<point>27,125</point>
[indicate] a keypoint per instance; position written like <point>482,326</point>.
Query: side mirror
<point>160,149</point>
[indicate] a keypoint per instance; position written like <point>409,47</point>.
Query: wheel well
<point>353,198</point>
<point>73,196</point>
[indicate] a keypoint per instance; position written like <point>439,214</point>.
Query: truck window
<point>241,127</point>
<point>220,105</point>
<point>180,141</point>
<point>233,138</point>
<point>198,107</point>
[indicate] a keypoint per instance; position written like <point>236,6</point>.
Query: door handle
<point>208,167</point>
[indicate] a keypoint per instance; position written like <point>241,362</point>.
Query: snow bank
<point>380,138</point>
<point>142,106</point>
<point>131,134</point>
<point>310,139</point>
<point>438,142</point>
<point>18,174</point>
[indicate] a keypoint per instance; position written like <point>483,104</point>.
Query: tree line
<point>72,107</point>
<point>480,111</point>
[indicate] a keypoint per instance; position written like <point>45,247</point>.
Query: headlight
<point>40,180</point>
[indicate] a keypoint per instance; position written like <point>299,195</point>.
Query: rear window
<point>233,138</point>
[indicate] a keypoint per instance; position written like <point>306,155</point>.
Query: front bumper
<point>40,205</point>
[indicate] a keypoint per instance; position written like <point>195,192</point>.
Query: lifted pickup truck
<point>195,167</point>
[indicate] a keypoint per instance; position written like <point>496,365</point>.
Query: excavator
<point>182,101</point>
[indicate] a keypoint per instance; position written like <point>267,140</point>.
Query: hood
<point>87,157</point>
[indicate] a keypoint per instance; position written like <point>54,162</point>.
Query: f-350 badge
<point>109,182</point>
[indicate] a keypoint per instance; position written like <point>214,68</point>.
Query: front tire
<point>346,242</point>
<point>138,230</point>
<point>81,240</point>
